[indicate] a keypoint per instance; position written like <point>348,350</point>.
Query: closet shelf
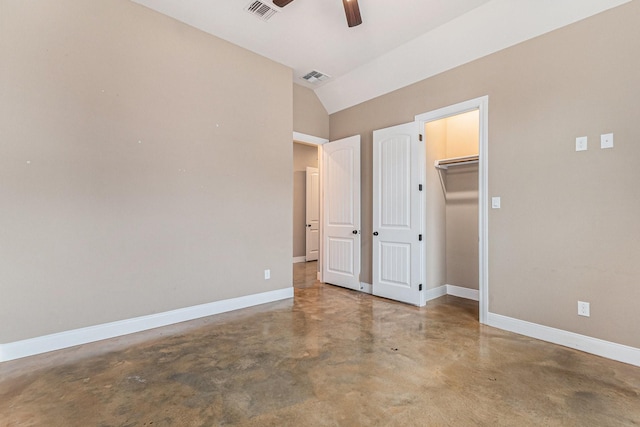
<point>456,161</point>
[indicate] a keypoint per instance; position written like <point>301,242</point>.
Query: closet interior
<point>451,146</point>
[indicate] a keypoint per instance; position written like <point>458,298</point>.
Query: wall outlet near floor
<point>583,309</point>
<point>267,274</point>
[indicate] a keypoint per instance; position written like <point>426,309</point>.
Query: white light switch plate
<point>495,203</point>
<point>606,140</point>
<point>581,143</point>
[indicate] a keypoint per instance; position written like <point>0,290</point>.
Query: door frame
<point>317,141</point>
<point>482,105</point>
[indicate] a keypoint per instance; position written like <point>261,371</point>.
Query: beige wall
<point>309,115</point>
<point>303,156</point>
<point>463,132</point>
<point>568,228</point>
<point>462,226</point>
<point>144,167</point>
<point>435,211</point>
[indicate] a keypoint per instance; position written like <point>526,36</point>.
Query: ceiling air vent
<point>260,10</point>
<point>315,77</point>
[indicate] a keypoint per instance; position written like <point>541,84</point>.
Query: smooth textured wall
<point>303,156</point>
<point>146,166</point>
<point>568,227</point>
<point>463,139</point>
<point>309,115</point>
<point>435,140</point>
<point>462,226</point>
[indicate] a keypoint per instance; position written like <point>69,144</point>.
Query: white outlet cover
<point>584,309</point>
<point>495,203</point>
<point>606,140</point>
<point>581,143</point>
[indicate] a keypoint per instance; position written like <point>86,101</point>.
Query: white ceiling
<point>399,42</point>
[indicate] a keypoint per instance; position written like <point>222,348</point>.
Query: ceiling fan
<point>351,9</point>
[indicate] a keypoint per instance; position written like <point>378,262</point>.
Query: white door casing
<point>312,214</point>
<point>341,212</point>
<point>397,218</point>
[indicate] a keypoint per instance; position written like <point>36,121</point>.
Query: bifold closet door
<point>397,241</point>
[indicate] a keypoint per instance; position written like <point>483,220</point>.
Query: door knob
<point>354,232</point>
<point>375,233</point>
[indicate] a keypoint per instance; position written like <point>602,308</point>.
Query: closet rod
<point>456,161</point>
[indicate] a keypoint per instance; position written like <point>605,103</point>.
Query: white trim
<point>460,292</point>
<point>298,259</point>
<point>431,294</point>
<point>610,350</point>
<point>46,343</point>
<point>456,291</point>
<point>367,288</point>
<point>308,139</point>
<point>482,105</point>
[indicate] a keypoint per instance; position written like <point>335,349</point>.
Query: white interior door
<point>313,214</point>
<point>397,226</point>
<point>341,218</point>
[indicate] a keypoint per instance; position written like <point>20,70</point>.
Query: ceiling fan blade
<point>281,3</point>
<point>352,10</point>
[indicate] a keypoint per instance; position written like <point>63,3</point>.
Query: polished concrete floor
<point>330,357</point>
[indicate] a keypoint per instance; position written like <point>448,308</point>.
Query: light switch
<point>606,140</point>
<point>495,203</point>
<point>581,143</point>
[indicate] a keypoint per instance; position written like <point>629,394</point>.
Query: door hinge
<point>420,136</point>
<point>420,237</point>
<point>420,287</point>
<point>419,187</point>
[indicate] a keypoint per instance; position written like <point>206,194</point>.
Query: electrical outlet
<point>581,143</point>
<point>267,274</point>
<point>583,309</point>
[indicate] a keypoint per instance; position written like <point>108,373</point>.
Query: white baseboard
<point>456,291</point>
<point>431,294</point>
<point>459,291</point>
<point>366,288</point>
<point>610,350</point>
<point>297,259</point>
<point>46,343</point>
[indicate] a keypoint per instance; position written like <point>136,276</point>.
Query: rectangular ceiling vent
<point>315,77</point>
<point>260,10</point>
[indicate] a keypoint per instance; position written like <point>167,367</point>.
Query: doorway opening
<point>307,187</point>
<point>451,146</point>
<point>306,203</point>
<point>455,200</point>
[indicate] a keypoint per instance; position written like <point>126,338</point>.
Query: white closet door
<point>397,248</point>
<point>313,214</point>
<point>341,220</point>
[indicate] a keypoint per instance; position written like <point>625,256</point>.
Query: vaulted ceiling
<point>398,43</point>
